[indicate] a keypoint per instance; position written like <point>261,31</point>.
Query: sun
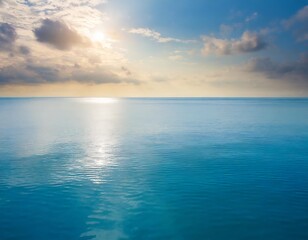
<point>98,36</point>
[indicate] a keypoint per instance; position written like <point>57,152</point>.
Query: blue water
<point>153,169</point>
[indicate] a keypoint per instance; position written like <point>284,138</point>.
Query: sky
<point>154,48</point>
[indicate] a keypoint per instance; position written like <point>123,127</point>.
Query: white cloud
<point>146,32</point>
<point>65,25</point>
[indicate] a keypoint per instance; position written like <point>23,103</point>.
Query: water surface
<point>153,169</point>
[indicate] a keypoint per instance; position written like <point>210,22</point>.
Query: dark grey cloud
<point>293,72</point>
<point>8,37</point>
<point>28,75</point>
<point>24,50</point>
<point>249,42</point>
<point>32,74</point>
<point>59,35</point>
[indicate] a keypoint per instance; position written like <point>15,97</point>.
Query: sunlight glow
<point>98,37</point>
<point>100,100</point>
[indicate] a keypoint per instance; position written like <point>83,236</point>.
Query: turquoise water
<point>153,169</point>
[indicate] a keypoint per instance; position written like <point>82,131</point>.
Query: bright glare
<point>98,37</point>
<point>100,100</point>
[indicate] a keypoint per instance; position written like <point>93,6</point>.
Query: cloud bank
<point>30,74</point>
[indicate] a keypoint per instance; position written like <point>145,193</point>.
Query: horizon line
<point>169,97</point>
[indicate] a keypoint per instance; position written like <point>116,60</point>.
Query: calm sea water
<point>153,169</point>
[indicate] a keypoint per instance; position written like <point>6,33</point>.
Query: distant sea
<point>164,168</point>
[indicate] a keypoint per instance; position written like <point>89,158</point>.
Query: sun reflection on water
<point>100,142</point>
<point>100,100</point>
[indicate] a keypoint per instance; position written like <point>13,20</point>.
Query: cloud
<point>298,24</point>
<point>25,14</point>
<point>126,71</point>
<point>28,74</point>
<point>146,32</point>
<point>101,76</point>
<point>63,25</point>
<point>58,34</point>
<point>300,16</point>
<point>249,42</point>
<point>252,17</point>
<point>292,71</point>
<point>24,50</point>
<point>230,28</point>
<point>8,37</point>
<point>302,34</point>
<point>31,74</point>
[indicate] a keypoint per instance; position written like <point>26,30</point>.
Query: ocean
<point>154,168</point>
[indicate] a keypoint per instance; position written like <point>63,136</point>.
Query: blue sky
<point>192,18</point>
<point>154,48</point>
